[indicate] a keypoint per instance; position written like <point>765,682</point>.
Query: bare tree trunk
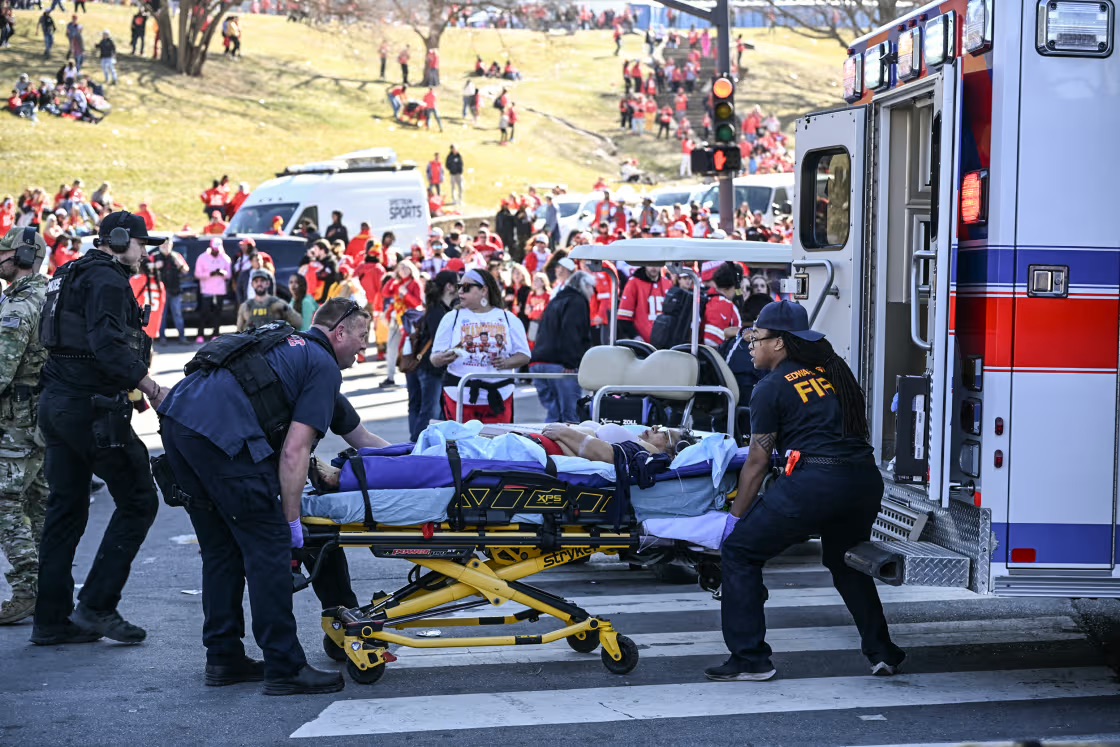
<point>430,43</point>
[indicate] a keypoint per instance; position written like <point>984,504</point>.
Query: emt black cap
<point>134,224</point>
<point>786,316</point>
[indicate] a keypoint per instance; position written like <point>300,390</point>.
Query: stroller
<point>414,113</point>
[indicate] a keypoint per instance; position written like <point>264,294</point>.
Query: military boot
<point>17,608</point>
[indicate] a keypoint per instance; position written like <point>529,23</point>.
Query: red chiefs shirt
<point>535,305</point>
<point>149,292</point>
<point>642,301</point>
<point>719,314</point>
<point>601,303</point>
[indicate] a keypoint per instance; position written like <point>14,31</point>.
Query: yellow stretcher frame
<point>361,636</point>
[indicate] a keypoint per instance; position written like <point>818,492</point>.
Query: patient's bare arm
<point>578,443</point>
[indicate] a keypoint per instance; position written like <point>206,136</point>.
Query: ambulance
<point>957,240</point>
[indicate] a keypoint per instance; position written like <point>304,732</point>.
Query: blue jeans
<point>396,104</point>
<point>48,42</point>
<point>839,503</point>
<point>174,309</point>
<point>425,399</point>
<point>557,396</point>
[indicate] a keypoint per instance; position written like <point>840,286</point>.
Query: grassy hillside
<point>304,94</point>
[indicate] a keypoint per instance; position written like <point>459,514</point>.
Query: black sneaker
<point>246,670</point>
<point>57,635</point>
<point>109,624</point>
<point>387,383</point>
<point>733,671</point>
<point>307,681</point>
<point>883,669</point>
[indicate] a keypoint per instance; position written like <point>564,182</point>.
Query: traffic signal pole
<point>719,17</point>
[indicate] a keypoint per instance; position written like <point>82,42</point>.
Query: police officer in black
<point>93,331</point>
<point>244,461</point>
<point>810,409</point>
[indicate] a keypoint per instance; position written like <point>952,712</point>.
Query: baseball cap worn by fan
<point>260,274</point>
<point>134,224</point>
<point>708,270</point>
<point>568,264</point>
<point>786,316</point>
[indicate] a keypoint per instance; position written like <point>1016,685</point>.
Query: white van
<point>770,193</point>
<point>368,185</point>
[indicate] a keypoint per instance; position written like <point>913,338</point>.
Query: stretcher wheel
<point>589,643</point>
<point>670,573</point>
<point>333,651</point>
<point>629,657</point>
<point>368,676</point>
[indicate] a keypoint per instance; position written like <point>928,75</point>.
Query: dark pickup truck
<point>286,253</point>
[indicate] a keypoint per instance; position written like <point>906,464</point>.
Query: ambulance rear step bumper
<point>898,562</point>
<point>1075,585</point>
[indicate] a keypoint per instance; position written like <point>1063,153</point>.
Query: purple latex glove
<point>297,533</point>
<point>729,528</point>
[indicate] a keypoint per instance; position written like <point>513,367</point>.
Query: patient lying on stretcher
<point>587,440</point>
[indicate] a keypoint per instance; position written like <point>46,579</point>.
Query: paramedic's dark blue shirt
<point>800,405</point>
<point>215,406</point>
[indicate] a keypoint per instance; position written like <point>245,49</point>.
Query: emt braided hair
<point>820,354</point>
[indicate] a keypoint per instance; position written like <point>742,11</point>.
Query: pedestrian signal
<point>727,159</point>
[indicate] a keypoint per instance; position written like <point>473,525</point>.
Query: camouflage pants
<point>23,503</point>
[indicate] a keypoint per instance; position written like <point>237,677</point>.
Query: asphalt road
<point>979,669</point>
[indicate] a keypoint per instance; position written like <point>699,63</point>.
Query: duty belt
<point>825,460</point>
<point>72,356</point>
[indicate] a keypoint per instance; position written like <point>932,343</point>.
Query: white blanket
<point>705,530</point>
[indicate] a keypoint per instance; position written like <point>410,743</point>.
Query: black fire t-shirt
<point>800,405</point>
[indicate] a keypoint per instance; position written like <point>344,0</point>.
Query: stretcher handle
<point>517,475</point>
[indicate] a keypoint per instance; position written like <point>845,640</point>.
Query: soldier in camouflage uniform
<point>23,487</point>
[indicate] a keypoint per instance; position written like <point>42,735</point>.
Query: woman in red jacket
<point>404,292</point>
<point>535,305</point>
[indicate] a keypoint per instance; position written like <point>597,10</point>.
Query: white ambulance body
<point>958,242</point>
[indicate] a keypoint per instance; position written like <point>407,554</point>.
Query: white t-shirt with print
<point>483,338</point>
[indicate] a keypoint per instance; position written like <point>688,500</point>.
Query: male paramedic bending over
<point>222,459</point>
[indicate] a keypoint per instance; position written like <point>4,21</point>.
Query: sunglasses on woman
<point>466,287</point>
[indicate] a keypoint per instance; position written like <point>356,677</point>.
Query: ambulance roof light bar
<point>1075,28</point>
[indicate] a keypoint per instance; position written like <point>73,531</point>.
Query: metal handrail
<point>915,300</point>
<point>461,388</point>
<point>828,290</point>
<point>629,389</point>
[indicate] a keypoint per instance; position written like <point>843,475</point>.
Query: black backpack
<point>674,325</point>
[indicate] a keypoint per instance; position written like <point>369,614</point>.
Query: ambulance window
<point>825,210</point>
<point>310,213</point>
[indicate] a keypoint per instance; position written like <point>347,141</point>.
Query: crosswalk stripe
<point>608,704</point>
<point>682,601</point>
<point>710,642</point>
<point>636,577</point>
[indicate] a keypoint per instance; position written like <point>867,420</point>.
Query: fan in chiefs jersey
<point>641,302</point>
<point>721,316</point>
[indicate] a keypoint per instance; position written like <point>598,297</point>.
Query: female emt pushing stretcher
<point>810,408</point>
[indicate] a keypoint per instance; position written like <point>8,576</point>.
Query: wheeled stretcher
<point>475,540</point>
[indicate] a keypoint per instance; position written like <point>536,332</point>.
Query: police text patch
<point>9,322</point>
